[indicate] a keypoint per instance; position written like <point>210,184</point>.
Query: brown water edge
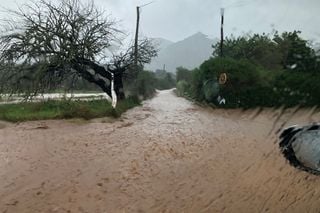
<point>167,156</point>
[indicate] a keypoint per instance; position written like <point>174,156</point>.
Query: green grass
<point>64,109</point>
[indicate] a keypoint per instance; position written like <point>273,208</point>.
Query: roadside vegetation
<point>262,71</point>
<point>64,109</point>
<point>148,82</point>
<point>60,47</point>
<point>144,88</point>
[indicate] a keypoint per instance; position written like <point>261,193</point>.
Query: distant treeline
<point>262,70</point>
<point>143,85</point>
<point>147,82</point>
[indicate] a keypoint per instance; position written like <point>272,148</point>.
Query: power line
<point>141,6</point>
<point>239,4</point>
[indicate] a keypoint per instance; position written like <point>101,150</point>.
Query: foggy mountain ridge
<point>161,43</point>
<point>189,52</point>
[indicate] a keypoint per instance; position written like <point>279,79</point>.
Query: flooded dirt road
<point>167,156</point>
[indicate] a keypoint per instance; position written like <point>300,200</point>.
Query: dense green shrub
<point>182,88</point>
<point>287,50</point>
<point>211,90</point>
<point>249,85</point>
<point>298,88</point>
<point>184,74</point>
<point>145,84</point>
<point>244,79</point>
<point>165,82</point>
<point>263,70</point>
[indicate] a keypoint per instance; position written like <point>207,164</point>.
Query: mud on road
<point>167,156</point>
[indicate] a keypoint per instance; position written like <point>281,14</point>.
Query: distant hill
<point>189,53</point>
<point>161,43</point>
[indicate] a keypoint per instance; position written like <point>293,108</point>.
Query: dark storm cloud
<point>177,19</point>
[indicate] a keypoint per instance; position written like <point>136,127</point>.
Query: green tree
<point>285,51</point>
<point>259,49</point>
<point>295,52</point>
<point>183,74</point>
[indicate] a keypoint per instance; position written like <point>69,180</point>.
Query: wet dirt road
<point>167,156</point>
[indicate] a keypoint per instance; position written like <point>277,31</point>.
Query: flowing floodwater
<point>168,155</point>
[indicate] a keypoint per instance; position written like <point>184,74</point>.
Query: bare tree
<point>46,42</point>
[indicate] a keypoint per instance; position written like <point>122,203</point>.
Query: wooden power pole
<point>222,36</point>
<point>136,40</point>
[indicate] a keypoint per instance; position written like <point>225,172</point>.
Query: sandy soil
<point>166,156</point>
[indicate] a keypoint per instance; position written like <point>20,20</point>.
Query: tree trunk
<point>100,76</point>
<point>94,74</point>
<point>102,83</point>
<point>118,86</point>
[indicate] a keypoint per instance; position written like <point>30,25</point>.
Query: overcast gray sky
<point>177,19</point>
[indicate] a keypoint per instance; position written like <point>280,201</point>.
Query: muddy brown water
<point>167,156</point>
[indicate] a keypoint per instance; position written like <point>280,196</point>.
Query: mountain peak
<point>198,35</point>
<point>161,43</point>
<point>189,53</point>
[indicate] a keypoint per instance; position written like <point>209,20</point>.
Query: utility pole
<point>222,37</point>
<point>136,40</point>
